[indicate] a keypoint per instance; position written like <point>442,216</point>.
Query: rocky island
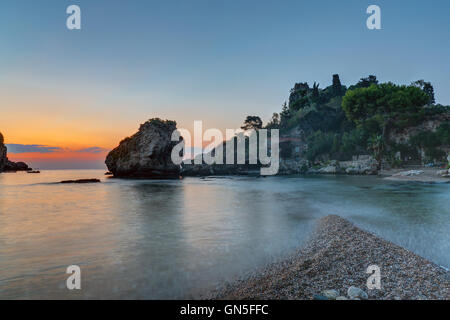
<point>365,129</point>
<point>147,153</point>
<point>362,129</point>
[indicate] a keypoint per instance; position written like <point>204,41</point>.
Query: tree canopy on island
<point>384,99</point>
<point>252,122</point>
<point>427,88</point>
<point>339,122</point>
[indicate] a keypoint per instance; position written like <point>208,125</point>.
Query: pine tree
<point>367,82</point>
<point>252,122</point>
<point>429,90</point>
<point>426,87</point>
<point>337,86</point>
<point>285,115</point>
<point>315,93</point>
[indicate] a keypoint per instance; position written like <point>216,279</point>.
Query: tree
<point>386,99</point>
<point>429,90</point>
<point>252,122</point>
<point>337,86</point>
<point>274,123</point>
<point>376,144</point>
<point>367,82</point>
<point>426,87</point>
<point>319,144</point>
<point>443,133</point>
<point>285,115</point>
<point>315,92</point>
<point>428,144</point>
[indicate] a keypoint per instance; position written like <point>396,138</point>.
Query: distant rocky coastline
<point>5,164</point>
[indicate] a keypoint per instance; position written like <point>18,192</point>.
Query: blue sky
<point>216,61</point>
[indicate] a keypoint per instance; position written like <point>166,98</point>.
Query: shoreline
<point>419,174</point>
<point>336,257</point>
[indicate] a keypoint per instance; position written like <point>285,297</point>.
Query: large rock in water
<point>146,154</point>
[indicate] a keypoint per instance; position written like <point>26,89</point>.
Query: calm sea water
<point>172,239</point>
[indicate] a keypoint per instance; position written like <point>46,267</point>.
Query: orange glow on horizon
<point>58,156</point>
<point>73,121</point>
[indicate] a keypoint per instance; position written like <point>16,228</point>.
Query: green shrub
<point>319,144</point>
<point>352,143</point>
<point>433,153</point>
<point>396,163</point>
<point>443,133</point>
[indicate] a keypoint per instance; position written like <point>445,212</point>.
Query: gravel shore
<point>337,257</point>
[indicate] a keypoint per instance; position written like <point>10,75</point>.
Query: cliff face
<point>430,124</point>
<point>146,154</point>
<point>3,158</point>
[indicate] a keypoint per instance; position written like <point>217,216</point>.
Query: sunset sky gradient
<point>216,61</point>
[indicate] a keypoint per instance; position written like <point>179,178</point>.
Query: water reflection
<point>172,239</point>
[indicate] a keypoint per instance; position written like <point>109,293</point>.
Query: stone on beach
<point>357,293</point>
<point>320,297</point>
<point>331,294</point>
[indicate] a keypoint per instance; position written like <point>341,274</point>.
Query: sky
<point>69,96</point>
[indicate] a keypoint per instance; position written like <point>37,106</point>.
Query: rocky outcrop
<point>3,158</point>
<point>5,164</point>
<point>16,166</point>
<point>146,154</point>
<point>361,165</point>
<point>200,170</point>
<point>291,166</point>
<point>81,181</point>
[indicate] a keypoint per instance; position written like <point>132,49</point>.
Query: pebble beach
<point>336,259</point>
